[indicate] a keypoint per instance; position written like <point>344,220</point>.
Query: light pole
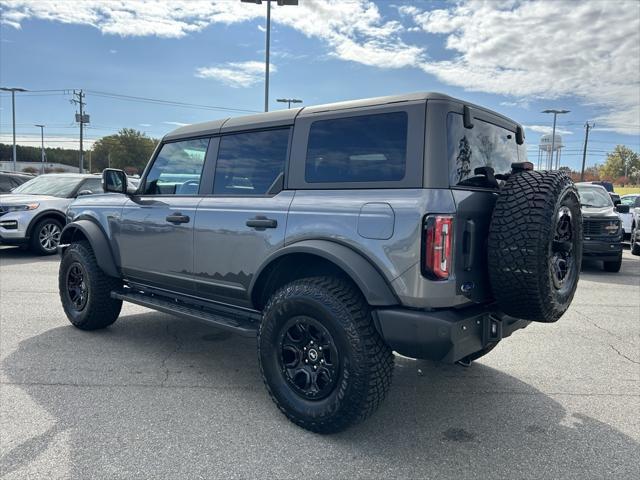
<point>41,147</point>
<point>553,133</point>
<point>288,101</point>
<point>268,41</point>
<point>13,91</point>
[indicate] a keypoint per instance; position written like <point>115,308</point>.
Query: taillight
<point>438,242</point>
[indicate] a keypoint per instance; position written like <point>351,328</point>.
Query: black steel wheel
<point>77,289</point>
<point>562,264</point>
<point>322,360</point>
<point>309,358</point>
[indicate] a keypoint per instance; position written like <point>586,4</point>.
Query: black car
<point>602,228</point>
<point>10,180</point>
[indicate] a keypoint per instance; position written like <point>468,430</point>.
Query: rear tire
<point>85,290</point>
<point>46,236</point>
<point>535,245</point>
<point>328,390</point>
<point>613,266</point>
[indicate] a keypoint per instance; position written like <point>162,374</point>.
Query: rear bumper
<point>445,335</point>
<point>605,249</point>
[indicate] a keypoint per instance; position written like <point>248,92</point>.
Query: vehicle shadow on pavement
<point>629,274</point>
<point>20,256</point>
<point>159,397</point>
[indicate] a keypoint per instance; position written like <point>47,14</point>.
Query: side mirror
<point>114,180</point>
<point>622,208</point>
<point>85,192</point>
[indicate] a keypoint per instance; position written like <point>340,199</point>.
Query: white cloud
<point>145,124</point>
<point>177,124</point>
<point>546,129</point>
<point>236,74</point>
<point>113,51</point>
<point>545,50</point>
<point>353,30</point>
<point>526,50</point>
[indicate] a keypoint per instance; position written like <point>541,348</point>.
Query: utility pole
<point>82,119</point>
<point>288,101</point>
<point>13,112</point>
<point>268,42</point>
<point>41,147</point>
<point>553,134</point>
<point>584,152</point>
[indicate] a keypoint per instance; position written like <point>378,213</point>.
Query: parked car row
<point>11,180</point>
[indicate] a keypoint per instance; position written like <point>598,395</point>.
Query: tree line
<point>129,150</point>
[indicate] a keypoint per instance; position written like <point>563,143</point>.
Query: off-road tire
<point>34,241</point>
<point>613,266</point>
<point>99,310</point>
<point>366,362</point>
<point>521,247</point>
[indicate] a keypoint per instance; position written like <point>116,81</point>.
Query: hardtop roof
<point>287,116</point>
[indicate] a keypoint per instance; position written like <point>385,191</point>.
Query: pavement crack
<point>163,363</point>
<point>623,355</point>
<point>593,322</point>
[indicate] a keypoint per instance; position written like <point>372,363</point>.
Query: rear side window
<point>177,168</point>
<point>365,148</point>
<point>483,145</point>
<point>249,163</point>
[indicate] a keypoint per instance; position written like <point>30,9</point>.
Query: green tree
<point>129,150</point>
<point>621,162</point>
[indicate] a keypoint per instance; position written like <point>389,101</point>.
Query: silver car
<point>33,214</point>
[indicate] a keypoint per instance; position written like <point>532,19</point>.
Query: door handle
<point>261,222</point>
<point>177,218</point>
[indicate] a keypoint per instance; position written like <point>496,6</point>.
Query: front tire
<point>323,362</point>
<point>46,236</point>
<point>613,266</point>
<point>85,290</point>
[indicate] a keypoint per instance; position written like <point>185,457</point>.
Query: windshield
<point>49,185</point>
<point>629,200</point>
<point>594,197</point>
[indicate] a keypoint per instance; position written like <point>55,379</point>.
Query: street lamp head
<point>13,89</point>
<point>280,2</point>
<point>555,111</point>
<point>41,126</point>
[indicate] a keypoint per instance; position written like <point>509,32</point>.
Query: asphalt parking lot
<point>158,397</point>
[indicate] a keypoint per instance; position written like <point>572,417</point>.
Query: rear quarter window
<point>364,148</point>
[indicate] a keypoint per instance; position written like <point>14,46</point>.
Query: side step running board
<point>243,326</point>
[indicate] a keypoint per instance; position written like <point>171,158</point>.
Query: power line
<point>174,103</point>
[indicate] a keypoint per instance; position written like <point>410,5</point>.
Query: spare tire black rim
<point>562,262</point>
<point>77,288</point>
<point>308,358</point>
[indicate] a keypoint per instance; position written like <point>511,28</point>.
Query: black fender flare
<point>98,241</point>
<point>47,213</point>
<point>371,282</point>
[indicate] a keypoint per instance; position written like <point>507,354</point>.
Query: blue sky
<point>517,58</point>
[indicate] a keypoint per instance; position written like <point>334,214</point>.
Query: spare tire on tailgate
<point>535,245</point>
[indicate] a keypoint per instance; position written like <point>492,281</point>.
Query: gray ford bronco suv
<point>336,234</point>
